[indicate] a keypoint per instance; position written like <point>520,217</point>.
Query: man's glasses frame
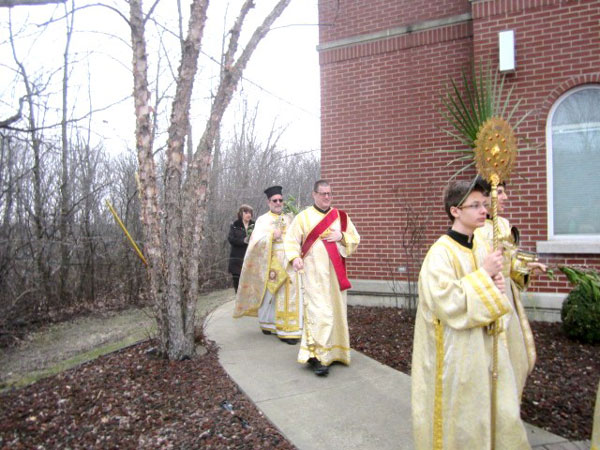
<point>475,206</point>
<point>277,200</point>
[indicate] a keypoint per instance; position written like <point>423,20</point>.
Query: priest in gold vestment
<point>268,288</point>
<point>461,293</point>
<point>325,336</point>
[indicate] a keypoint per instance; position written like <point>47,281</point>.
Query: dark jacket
<point>236,236</point>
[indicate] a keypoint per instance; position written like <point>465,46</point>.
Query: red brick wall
<point>344,18</point>
<point>557,48</point>
<point>381,102</point>
<point>379,118</point>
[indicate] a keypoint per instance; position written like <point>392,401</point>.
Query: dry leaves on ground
<point>130,399</point>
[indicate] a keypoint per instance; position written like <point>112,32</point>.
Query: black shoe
<point>289,341</point>
<point>312,361</point>
<point>266,332</point>
<point>320,370</point>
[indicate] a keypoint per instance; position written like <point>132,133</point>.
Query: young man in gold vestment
<point>461,294</point>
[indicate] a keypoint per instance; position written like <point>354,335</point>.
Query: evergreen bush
<point>580,312</point>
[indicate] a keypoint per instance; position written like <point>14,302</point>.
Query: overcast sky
<point>282,77</point>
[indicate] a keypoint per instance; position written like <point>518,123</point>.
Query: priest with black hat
<point>268,288</point>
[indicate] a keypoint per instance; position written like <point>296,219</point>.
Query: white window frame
<point>573,243</point>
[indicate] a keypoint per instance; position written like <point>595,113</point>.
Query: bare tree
<point>64,221</point>
<point>57,239</point>
<point>7,194</point>
<point>173,232</point>
<point>37,245</point>
<point>412,237</point>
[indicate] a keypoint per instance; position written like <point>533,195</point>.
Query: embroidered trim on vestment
<point>438,432</point>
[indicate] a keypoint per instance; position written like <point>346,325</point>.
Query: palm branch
<point>480,97</point>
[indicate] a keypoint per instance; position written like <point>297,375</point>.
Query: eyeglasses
<point>277,200</point>
<point>475,206</point>
<point>324,194</point>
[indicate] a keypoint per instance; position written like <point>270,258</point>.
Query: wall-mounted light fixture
<point>506,51</point>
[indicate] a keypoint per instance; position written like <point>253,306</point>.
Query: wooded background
<point>61,251</point>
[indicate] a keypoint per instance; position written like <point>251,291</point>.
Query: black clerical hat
<point>273,190</point>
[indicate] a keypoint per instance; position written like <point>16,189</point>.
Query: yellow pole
<point>494,180</point>
<point>495,152</point>
<point>118,219</point>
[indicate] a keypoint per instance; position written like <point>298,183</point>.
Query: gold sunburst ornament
<point>495,149</point>
<point>495,155</point>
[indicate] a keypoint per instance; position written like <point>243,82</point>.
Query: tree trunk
<point>149,205</point>
<point>6,241</point>
<point>64,221</point>
<point>196,187</point>
<point>37,244</point>
<point>174,262</point>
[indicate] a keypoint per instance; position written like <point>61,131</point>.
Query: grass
<point>31,377</point>
<point>80,328</point>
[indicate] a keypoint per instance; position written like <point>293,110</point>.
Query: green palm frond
<point>481,96</point>
<point>463,168</point>
<point>458,136</point>
<point>518,122</point>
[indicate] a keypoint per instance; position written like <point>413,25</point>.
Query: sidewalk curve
<point>365,406</point>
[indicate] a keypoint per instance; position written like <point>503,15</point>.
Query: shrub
<point>580,312</point>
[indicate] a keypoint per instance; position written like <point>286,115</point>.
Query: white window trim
<point>573,243</point>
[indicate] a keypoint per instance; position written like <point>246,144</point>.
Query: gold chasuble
<point>325,334</point>
<point>264,275</point>
<point>452,355</point>
<point>521,345</point>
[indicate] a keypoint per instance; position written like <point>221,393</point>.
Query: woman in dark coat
<point>238,238</point>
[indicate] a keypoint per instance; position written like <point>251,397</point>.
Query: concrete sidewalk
<point>364,406</point>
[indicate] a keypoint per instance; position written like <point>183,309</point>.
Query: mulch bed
<point>560,392</point>
<point>131,399</point>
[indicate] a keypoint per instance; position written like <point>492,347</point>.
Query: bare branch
<point>92,5</point>
<point>11,3</point>
<point>5,123</point>
<point>151,10</point>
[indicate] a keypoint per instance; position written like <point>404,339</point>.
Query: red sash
<point>338,262</point>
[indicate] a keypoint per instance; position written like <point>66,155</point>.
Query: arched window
<point>573,136</point>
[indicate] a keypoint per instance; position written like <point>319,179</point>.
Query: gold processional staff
<point>495,155</point>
